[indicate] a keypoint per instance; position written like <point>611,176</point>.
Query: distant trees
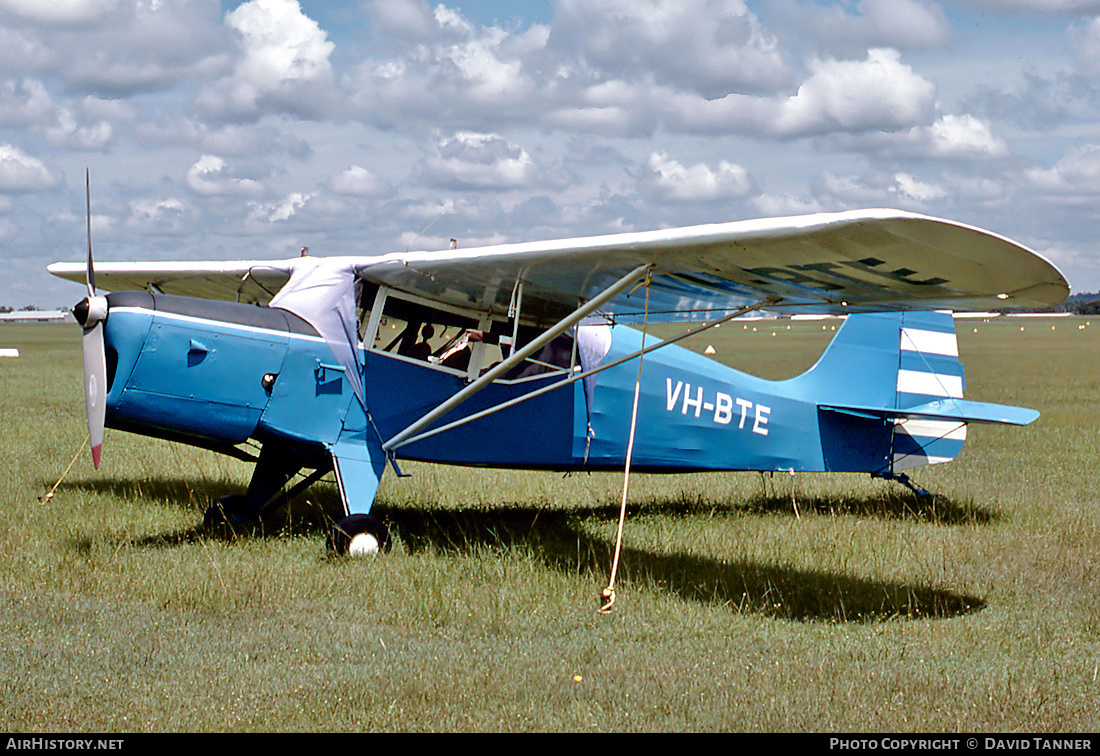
<point>1087,303</point>
<point>1084,304</point>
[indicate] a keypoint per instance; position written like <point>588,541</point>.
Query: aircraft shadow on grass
<point>558,538</point>
<point>892,505</point>
<point>173,491</point>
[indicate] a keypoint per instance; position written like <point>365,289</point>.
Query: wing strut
<point>519,356</point>
<point>581,376</point>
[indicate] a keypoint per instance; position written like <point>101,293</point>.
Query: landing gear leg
<point>906,481</point>
<point>274,469</point>
<point>231,510</point>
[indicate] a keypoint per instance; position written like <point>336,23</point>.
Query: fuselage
<point>217,374</point>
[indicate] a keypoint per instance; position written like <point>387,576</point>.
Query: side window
<point>559,354</point>
<point>460,342</point>
<point>365,295</point>
<point>425,333</point>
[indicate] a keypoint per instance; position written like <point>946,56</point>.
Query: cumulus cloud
<point>283,63</point>
<point>712,47</point>
<point>1076,174</point>
<point>869,190</point>
<point>211,176</point>
<point>63,12</point>
<point>770,205</point>
<point>280,210</point>
<point>20,172</point>
<point>599,66</point>
<point>114,48</point>
<point>152,46</point>
<point>669,179</point>
<point>908,187</point>
<point>24,102</point>
<point>1085,41</point>
<point>843,30</point>
<point>880,92</point>
<point>1054,6</point>
<point>1072,255</point>
<point>25,52</point>
<point>279,43</point>
<point>456,72</point>
<point>586,116</point>
<point>157,215</point>
<point>959,137</point>
<point>408,20</point>
<point>360,182</point>
<point>155,209</point>
<point>68,132</point>
<point>227,139</point>
<point>87,125</point>
<point>877,188</point>
<point>480,161</point>
<point>964,136</point>
<point>982,190</point>
<point>620,67</point>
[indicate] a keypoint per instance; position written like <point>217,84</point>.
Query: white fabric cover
<point>321,292</point>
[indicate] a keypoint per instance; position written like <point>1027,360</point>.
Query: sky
<point>248,130</point>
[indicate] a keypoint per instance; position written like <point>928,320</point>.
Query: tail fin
<point>900,374</point>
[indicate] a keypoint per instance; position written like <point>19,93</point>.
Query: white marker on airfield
<point>9,352</point>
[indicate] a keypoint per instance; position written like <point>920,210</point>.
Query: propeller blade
<point>95,354</point>
<point>95,387</point>
<point>88,198</point>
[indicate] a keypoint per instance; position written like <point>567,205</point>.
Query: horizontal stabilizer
<point>947,409</point>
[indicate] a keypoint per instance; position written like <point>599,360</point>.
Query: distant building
<point>37,316</point>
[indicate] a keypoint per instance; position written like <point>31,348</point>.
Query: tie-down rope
<point>607,596</point>
<point>45,498</point>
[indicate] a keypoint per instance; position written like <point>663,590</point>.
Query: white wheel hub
<point>363,544</point>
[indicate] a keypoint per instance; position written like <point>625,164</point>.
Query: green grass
<point>745,602</point>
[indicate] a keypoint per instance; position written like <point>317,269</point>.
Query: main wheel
<point>359,535</point>
<point>230,510</point>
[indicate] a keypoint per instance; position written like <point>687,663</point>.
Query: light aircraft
<point>527,355</point>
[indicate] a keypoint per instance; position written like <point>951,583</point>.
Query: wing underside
<point>824,263</point>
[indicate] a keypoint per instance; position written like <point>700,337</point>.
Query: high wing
<point>248,281</point>
<point>826,263</point>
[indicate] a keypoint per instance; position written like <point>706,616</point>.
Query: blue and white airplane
<point>523,355</point>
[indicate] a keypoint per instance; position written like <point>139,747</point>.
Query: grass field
<point>746,602</point>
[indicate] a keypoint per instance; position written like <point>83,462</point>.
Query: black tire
<point>345,530</point>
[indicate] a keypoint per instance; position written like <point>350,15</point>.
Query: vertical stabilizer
<point>893,382</point>
<point>929,370</point>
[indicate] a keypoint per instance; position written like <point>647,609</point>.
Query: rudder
<point>929,370</point>
<point>876,383</point>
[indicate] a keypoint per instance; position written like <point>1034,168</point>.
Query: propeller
<point>90,313</point>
